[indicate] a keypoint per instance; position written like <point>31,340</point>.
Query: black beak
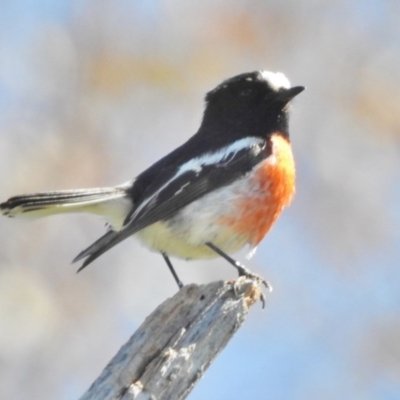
<point>285,95</point>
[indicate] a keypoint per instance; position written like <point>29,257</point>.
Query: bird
<point>220,191</point>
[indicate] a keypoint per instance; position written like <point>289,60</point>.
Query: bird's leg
<point>173,272</point>
<point>243,271</point>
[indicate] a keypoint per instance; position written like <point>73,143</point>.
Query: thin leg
<point>241,268</point>
<point>243,271</point>
<point>171,268</point>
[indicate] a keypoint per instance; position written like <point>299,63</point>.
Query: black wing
<point>180,190</point>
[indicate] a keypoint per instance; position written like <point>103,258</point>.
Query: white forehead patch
<point>276,80</point>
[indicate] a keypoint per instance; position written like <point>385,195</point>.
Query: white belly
<point>184,235</point>
<point>161,238</point>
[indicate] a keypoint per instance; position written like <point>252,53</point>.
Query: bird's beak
<point>285,95</point>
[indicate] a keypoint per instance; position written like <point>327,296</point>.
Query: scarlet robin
<point>221,190</point>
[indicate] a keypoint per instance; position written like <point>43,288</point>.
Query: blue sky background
<point>91,93</point>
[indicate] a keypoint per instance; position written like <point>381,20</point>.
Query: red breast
<point>273,186</point>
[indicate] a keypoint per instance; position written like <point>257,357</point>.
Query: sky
<point>91,93</point>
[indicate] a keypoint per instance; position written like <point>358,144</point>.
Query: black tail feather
<point>52,201</point>
<point>96,249</point>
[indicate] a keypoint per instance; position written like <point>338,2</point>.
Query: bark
<point>176,344</point>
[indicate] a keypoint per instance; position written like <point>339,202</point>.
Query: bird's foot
<point>258,279</point>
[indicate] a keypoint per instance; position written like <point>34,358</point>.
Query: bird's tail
<point>101,201</point>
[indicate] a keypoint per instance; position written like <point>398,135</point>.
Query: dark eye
<point>247,92</point>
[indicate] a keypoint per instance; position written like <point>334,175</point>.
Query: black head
<point>250,104</point>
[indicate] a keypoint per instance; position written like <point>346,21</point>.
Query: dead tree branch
<point>175,345</point>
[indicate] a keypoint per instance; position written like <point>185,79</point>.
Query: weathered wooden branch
<point>175,345</point>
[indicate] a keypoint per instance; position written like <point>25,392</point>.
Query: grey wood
<point>176,344</point>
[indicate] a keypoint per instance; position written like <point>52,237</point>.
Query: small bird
<point>221,190</point>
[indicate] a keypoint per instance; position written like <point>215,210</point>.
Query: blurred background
<point>92,92</point>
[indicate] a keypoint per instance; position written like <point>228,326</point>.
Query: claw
<point>267,285</point>
<point>242,270</point>
<point>254,277</point>
<point>262,299</point>
<point>234,288</point>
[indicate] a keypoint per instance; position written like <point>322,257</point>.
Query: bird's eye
<point>247,92</point>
